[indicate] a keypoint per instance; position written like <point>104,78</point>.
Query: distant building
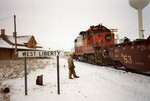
<point>119,40</point>
<point>7,45</point>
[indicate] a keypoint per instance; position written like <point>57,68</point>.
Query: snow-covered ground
<point>95,84</point>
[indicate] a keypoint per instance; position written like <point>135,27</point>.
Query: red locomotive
<point>96,46</point>
<point>92,45</point>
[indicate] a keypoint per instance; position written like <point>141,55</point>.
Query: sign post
<point>58,84</point>
<point>39,54</point>
<point>25,72</point>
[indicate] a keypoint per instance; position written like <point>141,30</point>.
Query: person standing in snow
<point>71,67</point>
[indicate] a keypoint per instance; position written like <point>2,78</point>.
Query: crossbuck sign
<point>38,53</point>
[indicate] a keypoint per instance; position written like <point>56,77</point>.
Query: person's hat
<point>70,53</point>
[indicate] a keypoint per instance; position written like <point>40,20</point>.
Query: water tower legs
<point>141,36</point>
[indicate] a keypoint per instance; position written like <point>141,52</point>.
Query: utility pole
<point>15,34</point>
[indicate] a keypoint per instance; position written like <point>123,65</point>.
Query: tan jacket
<point>70,63</point>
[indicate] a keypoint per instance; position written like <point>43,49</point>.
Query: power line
<point>5,18</point>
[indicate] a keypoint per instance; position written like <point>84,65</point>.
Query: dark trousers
<point>72,72</point>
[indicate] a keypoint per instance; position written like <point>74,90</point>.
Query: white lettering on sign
<point>38,53</point>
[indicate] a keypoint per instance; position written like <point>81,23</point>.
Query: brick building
<point>7,45</point>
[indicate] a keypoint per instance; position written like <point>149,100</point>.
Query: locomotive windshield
<point>100,28</point>
<point>95,28</point>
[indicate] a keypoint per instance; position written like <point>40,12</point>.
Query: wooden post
<point>58,84</point>
<point>25,73</point>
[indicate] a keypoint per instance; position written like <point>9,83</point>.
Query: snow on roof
<point>9,42</point>
<point>24,39</point>
<point>20,39</point>
<point>4,44</point>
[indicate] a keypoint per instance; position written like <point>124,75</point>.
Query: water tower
<point>139,5</point>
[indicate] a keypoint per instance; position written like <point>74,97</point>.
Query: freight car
<point>96,46</point>
<point>135,55</point>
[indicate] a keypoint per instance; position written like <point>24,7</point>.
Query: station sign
<point>38,53</point>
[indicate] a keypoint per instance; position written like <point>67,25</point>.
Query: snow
<point>20,39</point>
<point>24,39</point>
<point>96,83</point>
<point>4,43</point>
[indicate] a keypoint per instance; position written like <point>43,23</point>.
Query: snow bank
<point>10,69</point>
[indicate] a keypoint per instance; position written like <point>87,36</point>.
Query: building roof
<point>20,39</point>
<point>4,44</point>
<point>7,41</point>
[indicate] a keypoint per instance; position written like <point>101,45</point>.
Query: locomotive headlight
<point>108,37</point>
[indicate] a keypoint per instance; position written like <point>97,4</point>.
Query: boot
<point>76,77</point>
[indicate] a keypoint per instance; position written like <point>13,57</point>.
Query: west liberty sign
<point>38,53</point>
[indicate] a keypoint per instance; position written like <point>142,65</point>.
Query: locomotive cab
<point>99,36</point>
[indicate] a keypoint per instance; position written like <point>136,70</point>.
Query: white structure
<point>78,41</point>
<point>139,5</point>
<point>118,40</point>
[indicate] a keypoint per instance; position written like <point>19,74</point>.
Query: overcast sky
<point>56,23</point>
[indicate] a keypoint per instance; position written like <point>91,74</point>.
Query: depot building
<point>24,43</point>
